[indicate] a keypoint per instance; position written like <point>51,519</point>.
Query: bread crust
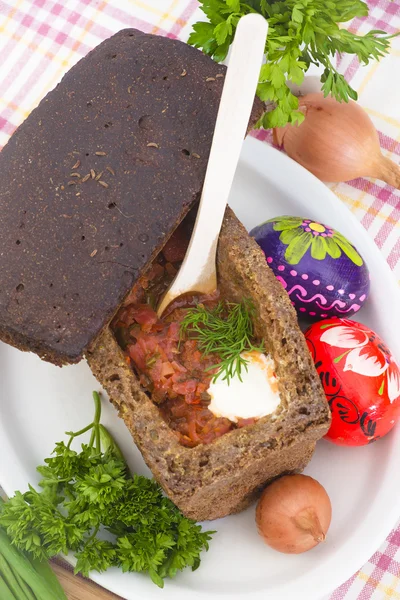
<point>94,182</point>
<point>214,480</point>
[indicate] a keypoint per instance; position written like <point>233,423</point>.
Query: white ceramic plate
<point>39,402</point>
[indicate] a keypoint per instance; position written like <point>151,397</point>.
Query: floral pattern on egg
<point>323,273</point>
<point>360,377</point>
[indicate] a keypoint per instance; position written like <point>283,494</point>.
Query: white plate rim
<point>259,155</point>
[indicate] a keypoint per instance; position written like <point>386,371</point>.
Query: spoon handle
<point>198,270</point>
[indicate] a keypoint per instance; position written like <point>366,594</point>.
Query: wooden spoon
<point>198,272</point>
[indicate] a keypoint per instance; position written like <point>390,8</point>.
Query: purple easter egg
<point>322,272</point>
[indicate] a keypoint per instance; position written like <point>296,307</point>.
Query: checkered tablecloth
<point>41,39</point>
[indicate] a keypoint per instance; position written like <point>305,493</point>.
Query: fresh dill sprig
<point>226,330</point>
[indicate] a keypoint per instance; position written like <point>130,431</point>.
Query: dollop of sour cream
<point>256,396</point>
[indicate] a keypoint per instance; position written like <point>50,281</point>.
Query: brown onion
<point>293,514</point>
<point>337,141</point>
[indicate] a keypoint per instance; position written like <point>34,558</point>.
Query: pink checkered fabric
<point>41,39</point>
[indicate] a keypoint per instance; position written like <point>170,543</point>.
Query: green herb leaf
<point>298,29</point>
<point>97,555</point>
<point>297,15</point>
<point>88,493</point>
<point>202,37</point>
<point>226,331</point>
<point>222,31</point>
<point>234,5</point>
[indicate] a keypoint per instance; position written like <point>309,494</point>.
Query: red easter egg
<point>360,377</point>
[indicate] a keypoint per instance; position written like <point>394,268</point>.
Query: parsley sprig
<point>227,331</point>
<point>91,505</point>
<point>301,32</point>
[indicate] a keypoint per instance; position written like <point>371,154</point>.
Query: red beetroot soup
<point>169,365</point>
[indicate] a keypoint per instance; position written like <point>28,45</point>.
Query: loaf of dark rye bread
<point>92,185</point>
<point>217,479</point>
<point>94,182</point>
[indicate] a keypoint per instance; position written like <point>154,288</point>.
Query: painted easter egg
<point>319,268</point>
<point>360,377</point>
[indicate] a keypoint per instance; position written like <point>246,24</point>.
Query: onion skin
<point>336,142</point>
<point>293,514</point>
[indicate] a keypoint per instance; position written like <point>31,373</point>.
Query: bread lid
<point>94,182</point>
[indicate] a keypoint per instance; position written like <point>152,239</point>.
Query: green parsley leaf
<point>301,32</point>
<point>296,117</point>
<point>103,484</point>
<point>89,494</point>
<point>97,555</point>
<point>222,31</point>
<point>202,37</point>
<point>277,77</point>
<point>222,51</point>
<point>297,15</point>
<point>266,92</point>
<point>296,73</point>
<point>275,118</point>
<point>234,5</point>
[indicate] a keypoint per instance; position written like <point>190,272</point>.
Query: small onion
<point>337,141</point>
<point>293,514</point>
